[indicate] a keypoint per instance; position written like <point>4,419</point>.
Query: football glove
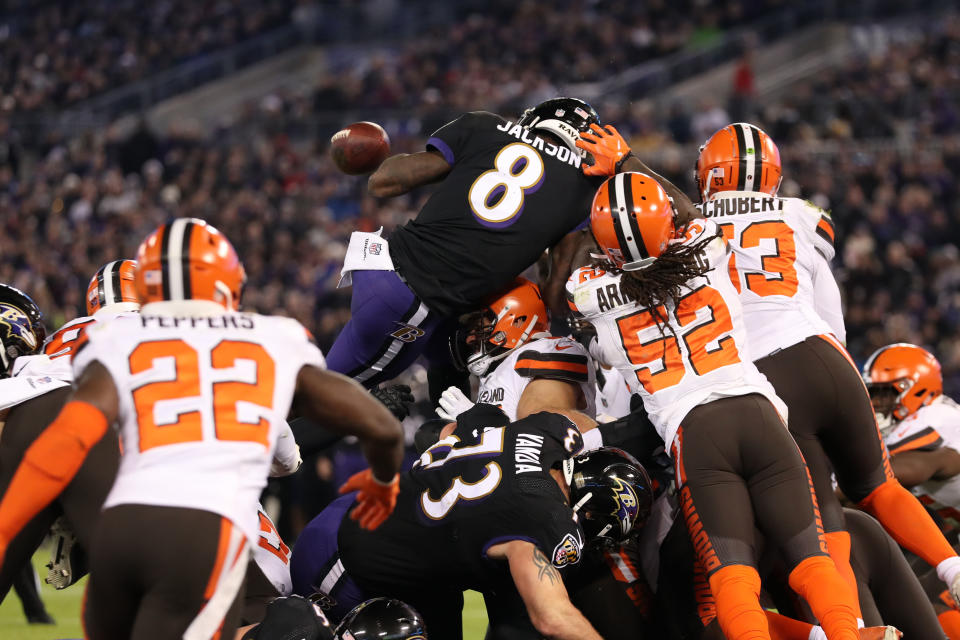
<point>608,148</point>
<point>375,499</point>
<point>452,403</point>
<point>396,398</point>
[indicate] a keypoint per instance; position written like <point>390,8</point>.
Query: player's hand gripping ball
<point>359,148</point>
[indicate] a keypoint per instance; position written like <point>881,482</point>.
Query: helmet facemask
<point>484,338</point>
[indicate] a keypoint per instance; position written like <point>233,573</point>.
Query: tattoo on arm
<point>545,567</point>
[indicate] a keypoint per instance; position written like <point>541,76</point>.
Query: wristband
<point>390,483</point>
<point>618,168</point>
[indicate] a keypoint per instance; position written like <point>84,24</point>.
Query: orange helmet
<point>739,157</point>
<point>187,259</point>
<point>113,284</point>
<point>632,219</point>
<point>902,378</point>
<point>490,334</point>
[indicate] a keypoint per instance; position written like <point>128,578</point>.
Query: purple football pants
<point>389,328</point>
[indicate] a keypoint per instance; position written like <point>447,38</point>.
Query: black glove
<point>396,398</point>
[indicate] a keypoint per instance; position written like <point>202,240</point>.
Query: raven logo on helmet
<point>17,323</point>
<point>627,505</point>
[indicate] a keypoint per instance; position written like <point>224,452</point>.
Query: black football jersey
<point>470,491</point>
<point>510,195</point>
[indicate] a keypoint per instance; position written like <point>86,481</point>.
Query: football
<point>359,148</point>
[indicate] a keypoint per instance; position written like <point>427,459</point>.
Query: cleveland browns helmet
<point>610,492</point>
<point>187,259</point>
<point>382,619</point>
<point>739,157</point>
<point>21,327</point>
<point>490,334</point>
<point>566,118</point>
<point>632,219</point>
<point>113,286</point>
<point>901,378</point>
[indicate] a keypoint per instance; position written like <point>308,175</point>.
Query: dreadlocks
<point>664,279</point>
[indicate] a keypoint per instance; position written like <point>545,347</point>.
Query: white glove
<point>286,457</point>
<point>452,404</point>
<point>949,571</point>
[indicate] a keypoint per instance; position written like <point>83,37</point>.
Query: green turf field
<point>64,606</point>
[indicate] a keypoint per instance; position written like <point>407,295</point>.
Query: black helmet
<point>566,118</point>
<point>382,619</point>
<point>21,327</point>
<point>292,617</point>
<point>611,493</point>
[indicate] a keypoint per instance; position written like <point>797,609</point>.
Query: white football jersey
<point>700,355</point>
<point>931,427</point>
<point>202,401</point>
<point>272,555</point>
<point>553,358</point>
<point>33,376</point>
<point>777,243</point>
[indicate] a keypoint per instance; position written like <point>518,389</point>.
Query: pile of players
<point>658,459</point>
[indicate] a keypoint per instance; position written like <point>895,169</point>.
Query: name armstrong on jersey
<point>204,322</point>
<point>561,153</point>
<point>739,206</point>
<point>611,296</point>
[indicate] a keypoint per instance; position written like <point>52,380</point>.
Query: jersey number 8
<point>496,196</point>
<point>176,383</point>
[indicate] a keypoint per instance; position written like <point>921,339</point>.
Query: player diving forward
<point>508,191</point>
<point>198,391</point>
<point>678,336</point>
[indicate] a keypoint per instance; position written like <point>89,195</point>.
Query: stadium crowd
<point>58,54</point>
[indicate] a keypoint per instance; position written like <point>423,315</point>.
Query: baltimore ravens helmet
<point>21,327</point>
<point>610,492</point>
<point>382,619</point>
<point>566,118</point>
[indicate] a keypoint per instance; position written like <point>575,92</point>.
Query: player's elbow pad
<point>63,446</point>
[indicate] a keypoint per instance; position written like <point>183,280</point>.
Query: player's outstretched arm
<point>564,258</point>
<point>916,467</point>
<point>612,155</point>
<point>543,592</point>
<point>52,461</point>
<point>340,404</point>
<point>405,172</point>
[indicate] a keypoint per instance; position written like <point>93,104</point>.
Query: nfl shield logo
<point>374,248</point>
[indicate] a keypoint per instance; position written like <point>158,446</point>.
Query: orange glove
<point>375,500</point>
<point>607,147</point>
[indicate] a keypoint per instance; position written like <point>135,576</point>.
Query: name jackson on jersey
<point>561,153</point>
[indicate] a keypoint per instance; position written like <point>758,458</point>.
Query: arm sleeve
<point>451,139</point>
<point>826,299</point>
<point>286,457</point>
<point>924,440</point>
<point>570,365</point>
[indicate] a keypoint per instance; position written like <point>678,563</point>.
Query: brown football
<point>359,148</point>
